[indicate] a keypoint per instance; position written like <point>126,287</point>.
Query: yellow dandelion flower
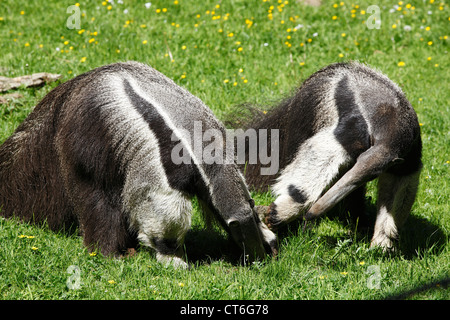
<point>427,28</point>
<point>226,81</point>
<point>27,44</point>
<point>341,55</point>
<point>363,12</point>
<point>164,10</point>
<point>22,12</point>
<point>343,35</point>
<point>93,254</point>
<point>181,284</point>
<point>83,59</point>
<point>429,58</point>
<point>362,263</point>
<point>144,42</point>
<point>34,248</point>
<point>245,80</point>
<point>401,64</point>
<point>111,282</point>
<point>302,64</point>
<point>394,26</point>
<point>183,48</point>
<point>241,70</point>
<point>81,31</point>
<point>334,17</point>
<point>91,40</point>
<point>22,236</point>
<point>436,65</point>
<point>344,273</point>
<point>430,43</point>
<point>240,49</point>
<point>109,7</point>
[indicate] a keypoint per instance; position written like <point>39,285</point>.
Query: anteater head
<point>236,209</point>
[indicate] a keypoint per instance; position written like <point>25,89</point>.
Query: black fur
<point>182,177</point>
<point>351,131</point>
<point>297,194</point>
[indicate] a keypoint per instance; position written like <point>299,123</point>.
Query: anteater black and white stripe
<point>346,125</point>
<point>96,153</point>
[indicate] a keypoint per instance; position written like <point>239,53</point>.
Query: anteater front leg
<point>369,165</point>
<point>396,194</point>
<point>162,217</point>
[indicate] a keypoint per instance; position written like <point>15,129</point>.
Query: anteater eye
<point>252,203</point>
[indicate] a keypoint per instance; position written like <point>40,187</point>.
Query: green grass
<point>201,52</point>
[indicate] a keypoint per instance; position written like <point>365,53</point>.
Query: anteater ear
<point>235,229</point>
<point>252,203</point>
<point>398,160</point>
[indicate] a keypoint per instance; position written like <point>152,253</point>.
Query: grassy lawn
<point>226,53</point>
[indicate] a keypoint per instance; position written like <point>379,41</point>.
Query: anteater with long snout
<point>96,153</point>
<point>346,125</point>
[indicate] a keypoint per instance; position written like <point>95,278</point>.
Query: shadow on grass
<point>205,246</point>
<point>416,237</point>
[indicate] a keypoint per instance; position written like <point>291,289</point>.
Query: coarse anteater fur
<point>96,153</point>
<point>346,125</point>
